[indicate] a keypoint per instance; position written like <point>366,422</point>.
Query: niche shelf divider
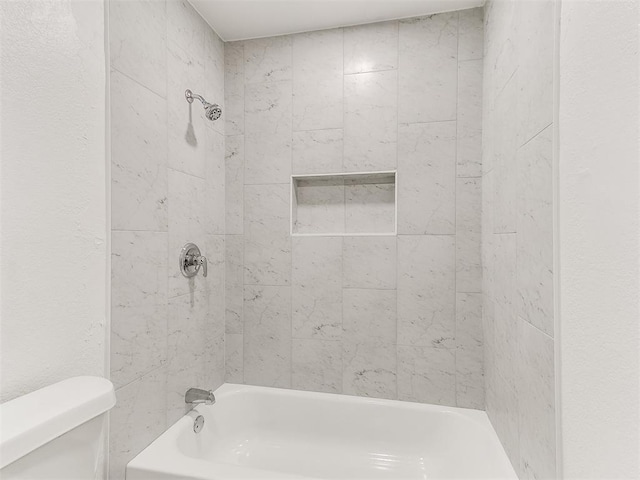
<point>344,204</point>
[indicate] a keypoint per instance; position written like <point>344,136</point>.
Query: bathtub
<point>267,433</point>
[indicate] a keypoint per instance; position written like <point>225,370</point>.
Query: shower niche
<point>344,204</point>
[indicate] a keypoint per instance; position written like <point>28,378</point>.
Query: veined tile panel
<point>363,315</point>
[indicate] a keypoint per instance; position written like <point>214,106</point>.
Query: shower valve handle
<point>202,262</point>
<point>191,261</point>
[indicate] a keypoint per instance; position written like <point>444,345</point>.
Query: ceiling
<point>244,19</point>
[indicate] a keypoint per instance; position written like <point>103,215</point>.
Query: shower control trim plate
<point>191,261</point>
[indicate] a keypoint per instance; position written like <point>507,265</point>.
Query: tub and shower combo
<point>266,433</point>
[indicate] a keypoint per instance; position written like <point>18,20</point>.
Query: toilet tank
<point>57,432</point>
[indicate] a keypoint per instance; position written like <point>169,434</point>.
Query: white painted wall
<point>599,235</point>
<point>53,199</point>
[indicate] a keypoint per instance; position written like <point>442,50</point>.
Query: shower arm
<point>189,95</point>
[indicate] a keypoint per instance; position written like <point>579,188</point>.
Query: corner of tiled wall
<point>517,235</point>
<point>167,333</point>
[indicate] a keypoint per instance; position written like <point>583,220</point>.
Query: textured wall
<point>517,231</point>
<point>167,189</point>
<point>393,317</point>
<point>54,248</point>
<point>599,235</point>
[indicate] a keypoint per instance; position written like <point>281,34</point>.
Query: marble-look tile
<point>138,156</point>
<point>234,268</point>
<point>427,72</point>
<point>470,34</point>
<point>137,42</point>
<point>215,251</point>
<point>427,375</point>
<point>215,183</point>
<point>502,407</point>
<point>535,231</point>
<point>317,151</point>
<point>267,59</point>
<point>138,304</point>
<point>267,336</point>
<point>317,288</point>
<point>234,184</point>
<point>427,175</point>
<point>369,316</point>
<point>501,45</point>
<point>267,247</point>
<point>267,157</point>
<point>468,234</point>
<point>536,403</point>
<point>267,108</point>
<point>370,48</point>
<point>233,114</point>
<point>504,180</point>
<point>187,344</point>
<point>370,121</point>
<point>317,365</point>
<point>187,142</point>
<point>426,291</point>
<point>370,208</point>
<point>369,262</point>
<point>505,318</point>
<point>234,368</point>
<point>369,370</point>
<point>318,207</point>
<point>317,80</point>
<point>469,351</point>
<point>137,419</point>
<point>535,41</point>
<point>185,27</point>
<point>187,221</point>
<point>214,75</point>
<point>469,115</point>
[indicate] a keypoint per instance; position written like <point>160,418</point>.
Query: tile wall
<point>167,189</point>
<point>517,231</point>
<point>382,316</point>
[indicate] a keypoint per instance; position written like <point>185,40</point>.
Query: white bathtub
<point>268,433</point>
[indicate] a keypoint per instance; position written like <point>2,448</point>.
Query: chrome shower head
<point>211,110</point>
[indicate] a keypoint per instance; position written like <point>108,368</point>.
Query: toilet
<point>57,432</point>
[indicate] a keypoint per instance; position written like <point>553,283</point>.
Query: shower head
<point>211,110</point>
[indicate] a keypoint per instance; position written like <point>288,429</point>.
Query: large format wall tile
<point>317,365</point>
<point>267,157</point>
<point>371,48</point>
<point>317,151</point>
<point>470,34</point>
<point>426,374</point>
<point>137,42</point>
<point>469,351</point>
<point>536,403</point>
<point>267,336</point>
<point>138,304</point>
<point>234,281</point>
<point>215,195</point>
<point>370,121</point>
<point>267,245</point>
<point>427,178</point>
<point>267,59</point>
<point>233,114</point>
<point>317,287</point>
<point>535,232</point>
<point>267,108</point>
<point>428,68</point>
<point>426,291</point>
<point>369,316</point>
<point>469,134</point>
<point>138,418</point>
<point>468,233</point>
<point>369,262</point>
<point>234,184</point>
<point>233,360</point>
<point>317,80</point>
<point>138,156</point>
<point>369,369</point>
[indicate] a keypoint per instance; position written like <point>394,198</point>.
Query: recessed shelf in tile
<point>344,204</point>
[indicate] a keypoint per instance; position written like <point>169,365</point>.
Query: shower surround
<point>396,317</point>
<point>167,189</point>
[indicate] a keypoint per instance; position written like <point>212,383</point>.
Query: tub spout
<point>195,396</point>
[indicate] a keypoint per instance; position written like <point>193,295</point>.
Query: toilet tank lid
<point>30,421</point>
